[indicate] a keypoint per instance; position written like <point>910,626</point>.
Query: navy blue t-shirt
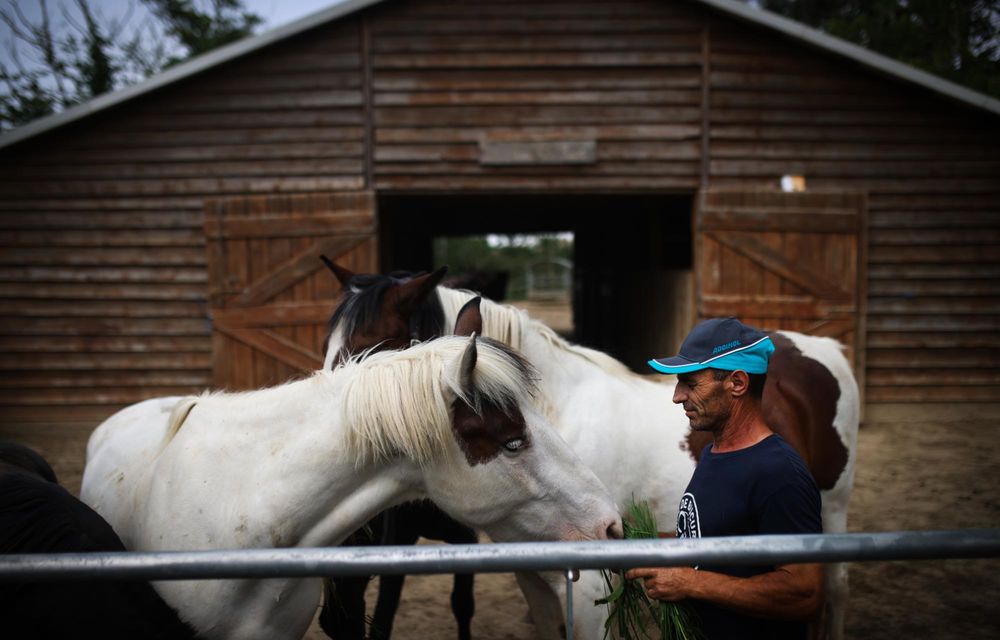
<point>763,489</point>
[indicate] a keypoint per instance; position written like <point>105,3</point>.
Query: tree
<point>199,31</point>
<point>955,39</point>
<point>50,69</point>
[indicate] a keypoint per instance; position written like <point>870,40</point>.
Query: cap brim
<point>676,365</point>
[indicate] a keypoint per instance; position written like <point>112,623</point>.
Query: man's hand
<point>669,584</point>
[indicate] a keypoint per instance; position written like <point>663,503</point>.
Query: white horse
<point>307,463</point>
<point>628,431</point>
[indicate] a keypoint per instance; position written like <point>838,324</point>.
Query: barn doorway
<point>632,285</point>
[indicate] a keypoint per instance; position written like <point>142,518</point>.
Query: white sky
<point>274,13</point>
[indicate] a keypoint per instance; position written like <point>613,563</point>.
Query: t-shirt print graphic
<point>688,525</point>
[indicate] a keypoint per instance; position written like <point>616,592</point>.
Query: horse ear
<point>467,368</point>
<point>343,275</point>
<point>411,294</point>
<point>470,319</point>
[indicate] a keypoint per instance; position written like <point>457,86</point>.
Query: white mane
<point>395,402</point>
<point>509,325</point>
<point>398,403</point>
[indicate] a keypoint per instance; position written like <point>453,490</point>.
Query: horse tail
<point>178,415</point>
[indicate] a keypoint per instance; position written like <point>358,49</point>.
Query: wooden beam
<point>298,267</point>
<point>278,347</point>
<point>275,315</point>
<point>765,220</point>
<point>290,226</point>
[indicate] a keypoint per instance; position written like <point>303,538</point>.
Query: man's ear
<point>738,383</point>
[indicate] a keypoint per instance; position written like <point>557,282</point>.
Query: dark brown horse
<point>39,516</point>
<point>377,313</point>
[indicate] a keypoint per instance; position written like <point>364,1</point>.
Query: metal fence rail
<point>493,558</point>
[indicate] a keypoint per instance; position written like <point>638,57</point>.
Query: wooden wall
<point>449,75</point>
<point>102,257</point>
<point>931,170</point>
<point>102,253</point>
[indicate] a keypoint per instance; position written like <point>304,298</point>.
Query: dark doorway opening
<point>632,259</point>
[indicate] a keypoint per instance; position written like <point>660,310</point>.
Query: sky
<point>274,12</point>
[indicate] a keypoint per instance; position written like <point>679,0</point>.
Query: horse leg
<point>831,621</point>
<point>343,613</point>
<point>544,605</point>
<point>463,600</point>
<point>399,529</point>
<point>463,603</point>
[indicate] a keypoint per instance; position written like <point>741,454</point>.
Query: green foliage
<point>96,54</point>
<point>200,31</point>
<point>510,253</point>
<point>954,39</point>
<point>92,58</point>
<point>630,611</point>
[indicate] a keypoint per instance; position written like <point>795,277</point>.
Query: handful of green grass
<point>629,609</point>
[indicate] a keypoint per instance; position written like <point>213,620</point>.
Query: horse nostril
<point>615,530</point>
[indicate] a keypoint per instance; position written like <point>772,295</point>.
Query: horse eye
<point>513,444</point>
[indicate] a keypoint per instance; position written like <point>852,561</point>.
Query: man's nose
<point>679,394</point>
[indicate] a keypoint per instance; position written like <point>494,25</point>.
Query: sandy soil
<point>911,475</point>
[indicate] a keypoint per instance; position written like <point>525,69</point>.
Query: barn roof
<point>733,8</point>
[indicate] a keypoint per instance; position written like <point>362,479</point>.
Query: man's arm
<point>790,592</point>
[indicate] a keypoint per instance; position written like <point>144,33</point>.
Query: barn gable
<point>105,283</point>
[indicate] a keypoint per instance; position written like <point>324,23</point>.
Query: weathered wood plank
<point>937,393</point>
<point>664,134</point>
<point>342,222</point>
<point>104,291</point>
<point>764,220</point>
<point>568,79</point>
<point>531,115</point>
<point>102,257</point>
<point>100,345</point>
<point>103,361</point>
<point>98,378</point>
<point>106,238</point>
<point>174,275</point>
<point>487,98</point>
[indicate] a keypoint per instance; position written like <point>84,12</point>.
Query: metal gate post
<point>571,575</point>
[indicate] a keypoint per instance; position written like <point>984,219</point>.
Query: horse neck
<point>291,440</point>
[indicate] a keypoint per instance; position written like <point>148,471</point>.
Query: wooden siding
<point>932,173</point>
<point>103,281</point>
<point>447,75</point>
<point>103,284</point>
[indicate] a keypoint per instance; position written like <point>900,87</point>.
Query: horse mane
<point>395,402</point>
<point>178,415</point>
<point>509,325</point>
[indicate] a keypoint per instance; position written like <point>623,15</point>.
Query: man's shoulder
<point>779,464</point>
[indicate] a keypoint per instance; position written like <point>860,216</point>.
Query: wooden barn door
<point>270,294</point>
<point>784,261</point>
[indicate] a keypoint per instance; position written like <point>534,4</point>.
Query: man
<point>748,481</point>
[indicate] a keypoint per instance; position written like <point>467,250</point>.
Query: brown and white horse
<point>626,427</point>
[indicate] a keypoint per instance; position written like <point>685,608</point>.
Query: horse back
<point>801,401</point>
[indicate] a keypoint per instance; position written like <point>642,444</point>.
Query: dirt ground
<point>911,475</point>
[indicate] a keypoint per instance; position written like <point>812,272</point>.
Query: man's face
<point>706,401</point>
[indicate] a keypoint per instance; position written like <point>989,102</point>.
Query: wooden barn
<point>165,238</point>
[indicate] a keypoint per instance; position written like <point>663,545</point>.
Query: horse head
<point>529,472</point>
<point>381,312</point>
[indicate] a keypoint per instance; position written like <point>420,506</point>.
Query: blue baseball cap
<point>720,343</point>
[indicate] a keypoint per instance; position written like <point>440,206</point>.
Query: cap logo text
<point>723,347</point>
